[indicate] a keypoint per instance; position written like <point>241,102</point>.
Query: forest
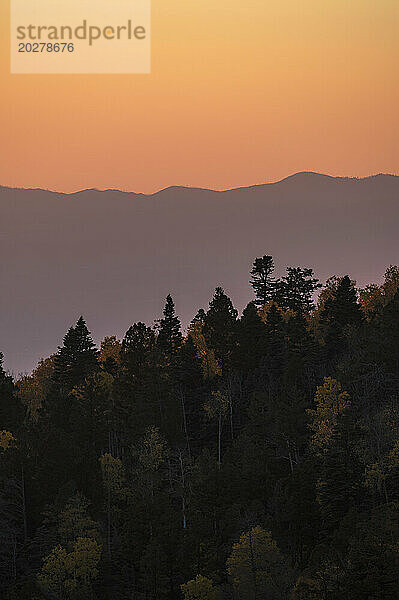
<point>253,456</point>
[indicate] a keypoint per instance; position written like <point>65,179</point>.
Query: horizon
<point>347,178</point>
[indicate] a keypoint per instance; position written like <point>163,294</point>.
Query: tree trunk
<point>220,440</point>
<point>231,415</point>
<point>183,499</point>
<point>24,504</point>
<point>109,523</point>
<point>185,423</point>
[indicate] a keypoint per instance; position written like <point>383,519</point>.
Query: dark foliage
<point>254,457</point>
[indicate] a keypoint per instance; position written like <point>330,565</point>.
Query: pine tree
<point>303,352</point>
<point>276,346</point>
<point>388,329</point>
<point>169,336</point>
<point>340,311</point>
<point>251,340</point>
<point>295,291</point>
<point>154,569</point>
<point>11,409</point>
<point>340,486</point>
<point>373,557</point>
<point>220,326</point>
<point>76,359</point>
<point>343,308</point>
<point>138,347</point>
<point>263,283</point>
<point>190,390</point>
<point>138,378</point>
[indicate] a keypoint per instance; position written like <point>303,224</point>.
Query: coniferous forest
<point>253,457</point>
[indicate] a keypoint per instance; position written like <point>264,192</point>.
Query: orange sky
<point>241,92</point>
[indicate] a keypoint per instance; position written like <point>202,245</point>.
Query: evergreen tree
<point>276,344</point>
<point>138,380</point>
<point>373,558</point>
<point>303,353</point>
<point>169,335</point>
<point>11,409</point>
<point>295,291</point>
<point>388,335</point>
<point>155,575</point>
<point>220,326</point>
<point>190,391</point>
<point>137,352</point>
<point>76,358</point>
<point>340,485</point>
<point>251,340</point>
<point>264,285</point>
<point>341,310</point>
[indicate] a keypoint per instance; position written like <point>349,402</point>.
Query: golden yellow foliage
<point>307,588</point>
<point>110,348</point>
<point>113,473</point>
<point>264,311</point>
<point>32,389</point>
<point>210,364</point>
<point>391,283</point>
<point>200,588</point>
<point>330,401</point>
<point>377,473</point>
<point>217,406</point>
<point>63,573</point>
<point>374,297</point>
<point>152,453</point>
<point>371,298</point>
<point>7,440</point>
<point>75,522</point>
<point>256,565</point>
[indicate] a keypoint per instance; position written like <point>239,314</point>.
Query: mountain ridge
<point>290,178</point>
<point>113,256</point>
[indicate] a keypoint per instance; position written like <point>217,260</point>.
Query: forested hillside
<point>255,458</point>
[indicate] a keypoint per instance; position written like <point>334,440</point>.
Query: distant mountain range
<point>114,256</point>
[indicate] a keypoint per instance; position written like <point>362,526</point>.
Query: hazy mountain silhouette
<point>114,256</point>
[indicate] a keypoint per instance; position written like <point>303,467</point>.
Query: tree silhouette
<point>263,283</point>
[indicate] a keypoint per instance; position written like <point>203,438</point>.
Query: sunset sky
<point>241,92</point>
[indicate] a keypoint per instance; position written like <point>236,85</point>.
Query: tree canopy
<point>253,455</point>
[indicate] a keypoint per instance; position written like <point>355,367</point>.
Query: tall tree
<point>251,340</point>
<point>76,358</point>
<point>11,409</point>
<point>137,382</point>
<point>295,291</point>
<point>257,568</point>
<point>169,335</point>
<point>190,388</point>
<point>276,344</point>
<point>383,338</point>
<point>340,311</point>
<point>137,350</point>
<point>263,283</point>
<point>220,326</point>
